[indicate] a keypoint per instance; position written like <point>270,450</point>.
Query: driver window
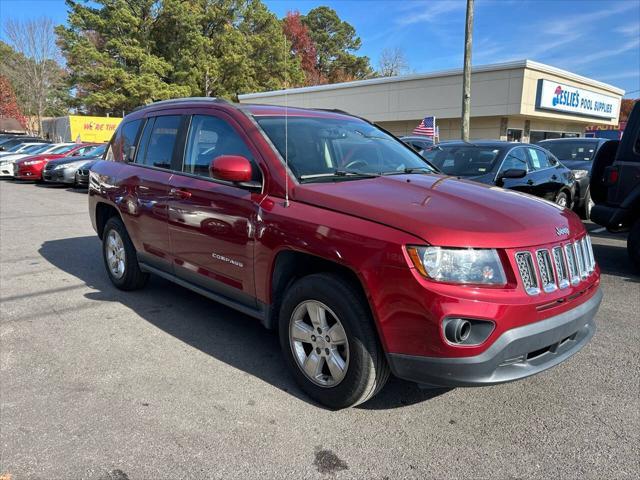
<point>209,137</point>
<point>515,160</point>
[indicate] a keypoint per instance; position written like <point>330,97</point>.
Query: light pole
<point>466,74</point>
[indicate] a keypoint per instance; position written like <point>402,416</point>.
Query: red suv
<point>354,248</point>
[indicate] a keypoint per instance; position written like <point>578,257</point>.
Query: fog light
<point>463,331</point>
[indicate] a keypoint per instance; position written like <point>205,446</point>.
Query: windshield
<point>32,149</point>
<point>40,148</point>
<point>17,147</point>
<point>464,160</point>
<point>330,148</point>
<point>63,148</point>
<point>567,150</point>
<point>97,151</point>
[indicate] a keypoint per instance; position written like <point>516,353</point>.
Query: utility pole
<point>466,74</point>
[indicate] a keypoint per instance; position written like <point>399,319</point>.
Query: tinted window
<point>123,140</point>
<point>317,147</point>
<point>63,149</point>
<point>158,140</point>
<point>464,160</point>
<point>517,159</point>
<point>570,150</point>
<point>209,137</point>
<point>538,159</point>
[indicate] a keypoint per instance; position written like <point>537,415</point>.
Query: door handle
<point>554,177</point>
<point>529,182</point>
<point>180,193</point>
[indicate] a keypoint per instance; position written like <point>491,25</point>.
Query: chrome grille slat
<point>561,267</point>
<point>592,259</point>
<point>528,273</point>
<point>582,268</point>
<point>570,252</point>
<point>545,268</point>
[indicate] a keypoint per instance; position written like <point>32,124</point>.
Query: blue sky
<point>596,38</point>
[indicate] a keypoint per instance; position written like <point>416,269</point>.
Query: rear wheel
<point>329,341</point>
<point>633,244</point>
<point>120,258</point>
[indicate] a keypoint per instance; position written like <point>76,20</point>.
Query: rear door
<point>147,185</point>
<point>212,223</point>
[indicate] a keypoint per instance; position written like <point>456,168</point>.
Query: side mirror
<point>513,173</point>
<point>231,168</point>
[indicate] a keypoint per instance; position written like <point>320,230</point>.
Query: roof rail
<point>181,100</point>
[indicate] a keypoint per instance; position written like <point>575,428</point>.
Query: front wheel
<point>120,257</point>
<point>562,199</point>
<point>330,343</point>
<point>633,244</point>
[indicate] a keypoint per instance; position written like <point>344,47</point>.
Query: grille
<point>546,271</point>
<point>49,166</point>
<point>559,267</point>
<point>527,272</point>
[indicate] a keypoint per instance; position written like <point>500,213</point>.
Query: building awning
<point>11,125</point>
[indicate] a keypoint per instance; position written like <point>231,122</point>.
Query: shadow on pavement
<point>223,333</point>
<point>614,260</point>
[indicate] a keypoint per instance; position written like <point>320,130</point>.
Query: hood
<point>72,159</point>
<point>45,157</point>
<point>445,211</point>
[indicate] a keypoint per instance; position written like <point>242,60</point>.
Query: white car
<point>7,161</point>
<point>23,147</point>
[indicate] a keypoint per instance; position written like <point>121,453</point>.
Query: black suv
<point>615,185</point>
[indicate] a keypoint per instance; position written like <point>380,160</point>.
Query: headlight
<point>72,165</point>
<point>580,174</point>
<point>32,162</point>
<point>459,265</point>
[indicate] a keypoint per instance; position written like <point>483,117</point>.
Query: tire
<point>633,244</point>
<point>356,345</point>
<point>585,209</point>
<point>562,199</point>
<point>124,273</point>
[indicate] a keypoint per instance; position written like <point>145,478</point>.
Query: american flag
<point>426,127</point>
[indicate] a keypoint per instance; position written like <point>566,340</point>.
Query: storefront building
<point>525,101</point>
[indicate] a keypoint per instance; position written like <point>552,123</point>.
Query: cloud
<point>632,44</point>
<point>429,11</point>
<point>634,73</point>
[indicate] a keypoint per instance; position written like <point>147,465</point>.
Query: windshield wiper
<point>339,173</point>
<point>409,170</point>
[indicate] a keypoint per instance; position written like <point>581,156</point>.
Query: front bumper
<point>62,175</point>
<point>6,170</point>
<point>517,353</point>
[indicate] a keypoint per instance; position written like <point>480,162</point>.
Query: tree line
<point>114,55</point>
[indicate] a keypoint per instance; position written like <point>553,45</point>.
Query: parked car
<point>63,170</point>
<point>21,147</point>
<point>615,185</point>
<point>363,258</point>
<point>516,166</point>
<point>30,168</point>
<point>577,154</point>
<point>7,143</point>
<point>82,174</point>
<point>417,142</point>
<point>7,162</point>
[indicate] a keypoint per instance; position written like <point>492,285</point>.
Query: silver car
<point>63,170</point>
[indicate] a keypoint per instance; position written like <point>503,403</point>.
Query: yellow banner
<point>92,129</point>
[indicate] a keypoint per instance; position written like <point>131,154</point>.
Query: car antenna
<point>286,127</point>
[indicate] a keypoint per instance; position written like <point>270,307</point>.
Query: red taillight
<point>613,176</point>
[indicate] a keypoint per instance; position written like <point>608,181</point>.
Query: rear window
<point>567,150</point>
<point>463,160</point>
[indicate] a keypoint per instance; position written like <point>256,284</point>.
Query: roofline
<point>173,101</point>
<point>442,73</point>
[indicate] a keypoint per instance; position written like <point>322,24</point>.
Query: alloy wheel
<point>319,343</point>
<point>115,252</point>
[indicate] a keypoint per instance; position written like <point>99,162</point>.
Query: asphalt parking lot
<point>161,383</point>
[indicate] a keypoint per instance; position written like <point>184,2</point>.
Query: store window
<point>537,135</point>
<point>514,135</point>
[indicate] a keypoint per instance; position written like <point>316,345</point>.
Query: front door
<point>211,223</point>
<point>516,159</point>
